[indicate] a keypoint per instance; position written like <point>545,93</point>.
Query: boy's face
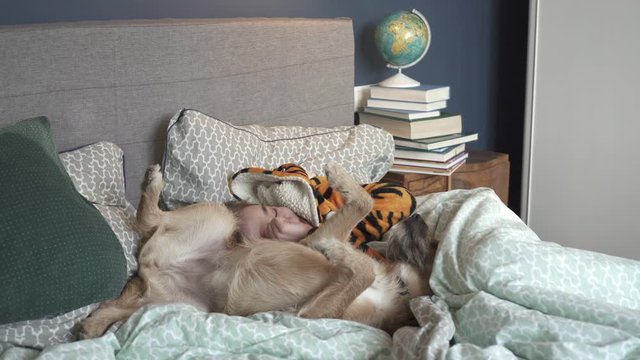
<point>278,223</point>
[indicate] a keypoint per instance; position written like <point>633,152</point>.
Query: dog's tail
<point>149,213</point>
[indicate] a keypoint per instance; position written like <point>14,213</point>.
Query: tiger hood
<point>313,199</point>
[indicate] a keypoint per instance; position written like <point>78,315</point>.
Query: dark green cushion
<point>57,253</point>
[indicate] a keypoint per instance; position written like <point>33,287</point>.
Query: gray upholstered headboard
<point>122,81</point>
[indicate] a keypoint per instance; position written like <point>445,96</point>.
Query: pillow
<point>57,253</point>
<point>98,174</point>
<point>202,152</point>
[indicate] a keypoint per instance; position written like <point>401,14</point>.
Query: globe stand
<point>399,80</point>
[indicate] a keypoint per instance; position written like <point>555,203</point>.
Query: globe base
<point>399,80</point>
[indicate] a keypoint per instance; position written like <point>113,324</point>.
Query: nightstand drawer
<point>482,169</point>
<point>419,184</point>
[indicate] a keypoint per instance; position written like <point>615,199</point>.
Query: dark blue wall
<point>478,48</point>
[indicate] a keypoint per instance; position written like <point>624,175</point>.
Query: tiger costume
<point>392,202</point>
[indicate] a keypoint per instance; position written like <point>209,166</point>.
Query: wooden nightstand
<point>483,168</point>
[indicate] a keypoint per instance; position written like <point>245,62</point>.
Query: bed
<point>120,86</point>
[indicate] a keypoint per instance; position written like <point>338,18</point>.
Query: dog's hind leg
<point>348,283</point>
<point>149,214</point>
<point>110,312</point>
<point>354,270</point>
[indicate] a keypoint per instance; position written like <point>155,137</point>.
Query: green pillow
<point>57,253</point>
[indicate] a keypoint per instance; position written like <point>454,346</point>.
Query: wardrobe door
<point>581,181</point>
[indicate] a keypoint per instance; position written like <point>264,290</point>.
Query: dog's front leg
<point>358,204</point>
<point>149,215</point>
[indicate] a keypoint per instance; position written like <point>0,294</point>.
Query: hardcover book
<point>404,169</point>
<point>436,142</point>
<point>406,105</point>
<point>438,156</point>
<point>402,114</point>
<point>422,93</point>
<point>445,124</point>
<point>433,164</point>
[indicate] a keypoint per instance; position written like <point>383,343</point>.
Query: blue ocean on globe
<point>401,38</point>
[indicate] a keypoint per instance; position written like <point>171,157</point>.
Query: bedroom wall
<point>583,121</point>
<point>478,48</point>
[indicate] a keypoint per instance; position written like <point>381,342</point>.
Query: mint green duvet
<point>500,293</point>
<point>178,331</point>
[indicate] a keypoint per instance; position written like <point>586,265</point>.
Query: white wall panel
<point>582,163</point>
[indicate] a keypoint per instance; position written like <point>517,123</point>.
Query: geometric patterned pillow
<point>97,174</point>
<point>202,152</point>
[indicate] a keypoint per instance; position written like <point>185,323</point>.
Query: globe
<point>402,38</point>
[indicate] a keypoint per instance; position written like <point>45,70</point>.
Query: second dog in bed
<point>196,255</point>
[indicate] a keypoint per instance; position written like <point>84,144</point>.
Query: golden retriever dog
<point>196,255</point>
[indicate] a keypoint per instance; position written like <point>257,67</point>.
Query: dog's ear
<point>236,206</point>
<point>408,241</point>
<point>235,239</point>
<point>379,246</point>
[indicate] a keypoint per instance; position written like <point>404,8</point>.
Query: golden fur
<point>196,255</point>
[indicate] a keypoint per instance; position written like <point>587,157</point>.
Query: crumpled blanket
<point>502,293</point>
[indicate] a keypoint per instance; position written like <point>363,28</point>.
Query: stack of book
<point>427,139</point>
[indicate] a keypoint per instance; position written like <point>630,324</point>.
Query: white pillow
<point>202,152</point>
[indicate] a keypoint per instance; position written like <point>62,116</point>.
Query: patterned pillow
<point>202,153</point>
<point>97,173</point>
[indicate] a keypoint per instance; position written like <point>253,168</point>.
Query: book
<point>436,142</point>
<point>440,156</point>
<point>445,124</point>
<point>404,169</point>
<point>422,93</point>
<point>433,164</point>
<point>406,105</point>
<point>402,114</point>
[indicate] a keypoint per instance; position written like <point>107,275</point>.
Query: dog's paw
<point>335,171</point>
<point>309,312</point>
<point>89,328</point>
<point>153,176</point>
<point>342,181</point>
